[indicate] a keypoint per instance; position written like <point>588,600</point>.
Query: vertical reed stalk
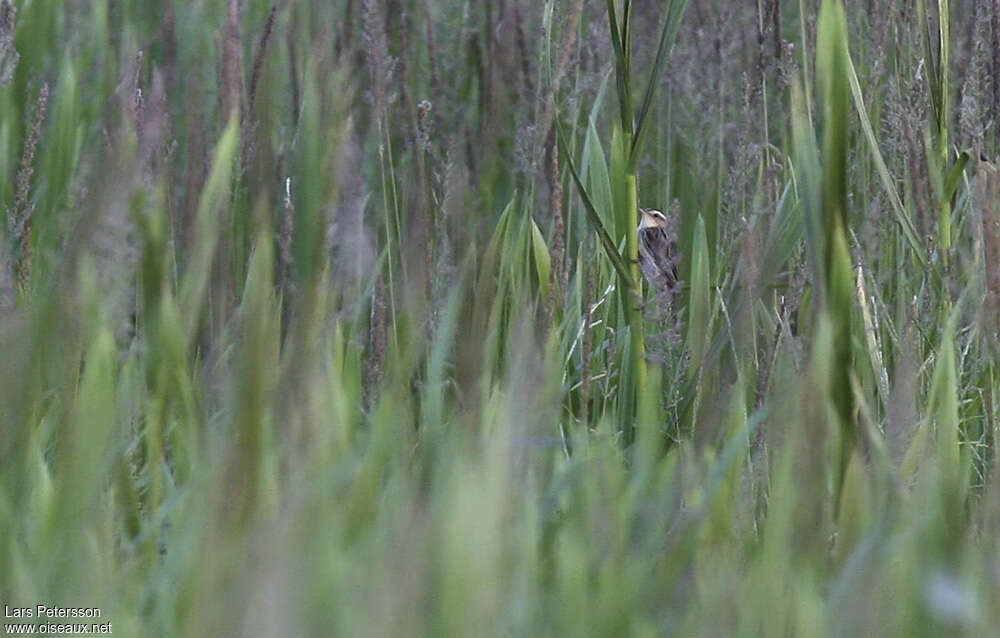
<point>637,349</point>
<point>944,117</point>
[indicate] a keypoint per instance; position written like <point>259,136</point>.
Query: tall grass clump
<point>325,317</point>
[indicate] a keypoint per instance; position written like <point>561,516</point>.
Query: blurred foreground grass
<point>305,328</point>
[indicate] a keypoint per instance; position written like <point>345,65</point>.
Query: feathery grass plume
<point>19,217</point>
<point>376,55</point>
<point>8,54</point>
<point>348,239</point>
<point>398,27</point>
<point>445,272</point>
<point>974,106</point>
<point>150,116</point>
<point>112,238</point>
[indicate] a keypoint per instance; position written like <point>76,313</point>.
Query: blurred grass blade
<point>699,297</point>
<point>955,176</point>
<point>785,234</point>
<point>213,199</point>
<point>543,262</point>
<point>809,184</point>
<point>832,74</point>
<point>943,405</point>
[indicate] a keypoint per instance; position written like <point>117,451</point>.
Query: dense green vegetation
<point>321,317</point>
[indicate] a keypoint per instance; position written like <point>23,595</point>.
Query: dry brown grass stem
<point>559,272</point>
<point>232,60</point>
<point>377,340</point>
<point>258,60</point>
<point>524,53</point>
<point>989,184</point>
<point>285,234</point>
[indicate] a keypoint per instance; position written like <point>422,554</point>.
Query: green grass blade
<point>700,297</point>
<point>955,176</point>
<point>594,217</point>
<point>213,199</point>
<point>621,65</point>
<point>832,74</point>
<point>542,260</point>
<point>809,184</point>
<point>668,35</point>
<point>902,217</point>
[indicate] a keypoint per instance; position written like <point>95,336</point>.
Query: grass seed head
<point>8,54</point>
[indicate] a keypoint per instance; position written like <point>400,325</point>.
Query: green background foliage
<point>322,317</point>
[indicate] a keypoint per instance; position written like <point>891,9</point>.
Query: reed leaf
<point>594,218</point>
<point>668,35</point>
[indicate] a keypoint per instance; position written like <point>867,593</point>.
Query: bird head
<point>650,218</point>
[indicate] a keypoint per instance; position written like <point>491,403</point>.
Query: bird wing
<point>657,258</point>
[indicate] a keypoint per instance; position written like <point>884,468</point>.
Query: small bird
<point>657,250</point>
